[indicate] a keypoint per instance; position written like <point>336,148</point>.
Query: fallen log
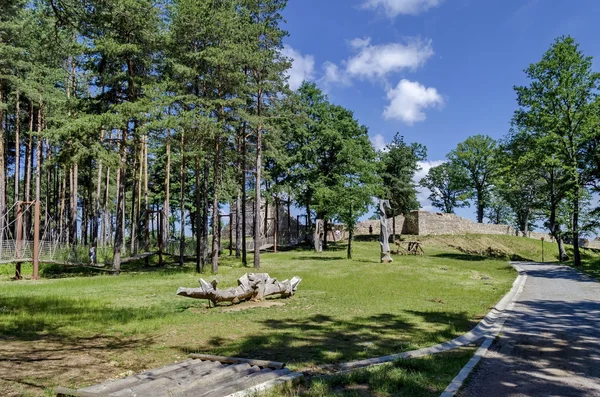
<point>251,286</point>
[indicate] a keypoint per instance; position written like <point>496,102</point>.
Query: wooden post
<point>160,220</point>
<point>219,226</point>
<point>36,235</point>
<point>298,227</point>
<point>276,228</point>
<point>147,236</point>
<point>18,275</point>
<point>289,220</point>
<point>230,234</point>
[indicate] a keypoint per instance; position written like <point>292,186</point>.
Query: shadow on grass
<point>318,258</point>
<point>415,377</point>
<point>324,339</point>
<point>462,257</point>
<point>32,318</point>
<point>367,237</point>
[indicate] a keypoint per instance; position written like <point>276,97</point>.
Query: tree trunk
<point>120,205</point>
<point>480,207</point>
<point>182,201</point>
<point>2,167</point>
<point>166,204</point>
<point>146,198</point>
<point>204,233</point>
<point>238,226</point>
<point>17,153</point>
<point>257,198</point>
<point>215,209</point>
<point>27,190</point>
<point>244,204</point>
<point>199,229</point>
<point>350,237</point>
<point>105,214</point>
<point>576,253</point>
<point>73,175</point>
<point>63,204</point>
<point>133,217</point>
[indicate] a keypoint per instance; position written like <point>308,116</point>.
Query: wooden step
<point>170,380</point>
<point>203,386</point>
<point>246,382</point>
<point>118,384</point>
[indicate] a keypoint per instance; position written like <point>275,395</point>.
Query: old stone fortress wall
<point>423,223</point>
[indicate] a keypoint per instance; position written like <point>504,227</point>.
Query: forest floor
<point>77,329</point>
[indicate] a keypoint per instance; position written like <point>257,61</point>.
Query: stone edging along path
<point>487,328</point>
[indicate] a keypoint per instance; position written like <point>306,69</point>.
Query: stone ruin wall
<point>423,223</point>
<point>440,223</point>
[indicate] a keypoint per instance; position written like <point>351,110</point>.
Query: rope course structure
<point>22,242</point>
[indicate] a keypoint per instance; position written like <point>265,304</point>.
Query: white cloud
<point>409,99</point>
<point>360,43</point>
<point>378,142</point>
<point>423,193</point>
<point>332,74</point>
<point>380,60</point>
<point>393,8</point>
<point>303,67</point>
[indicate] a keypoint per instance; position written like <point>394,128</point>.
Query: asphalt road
<point>550,346</point>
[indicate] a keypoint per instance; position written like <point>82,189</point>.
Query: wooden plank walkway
<point>201,375</point>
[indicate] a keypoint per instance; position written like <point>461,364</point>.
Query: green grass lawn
<point>77,331</point>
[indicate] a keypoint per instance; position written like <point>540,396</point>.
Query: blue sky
<point>437,71</point>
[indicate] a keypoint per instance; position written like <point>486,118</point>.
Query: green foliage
<point>476,157</point>
<point>447,185</point>
<point>558,108</point>
<point>399,163</point>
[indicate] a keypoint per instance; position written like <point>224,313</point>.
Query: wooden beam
<point>236,360</point>
<point>65,392</point>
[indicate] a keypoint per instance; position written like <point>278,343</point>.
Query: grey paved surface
<point>550,346</point>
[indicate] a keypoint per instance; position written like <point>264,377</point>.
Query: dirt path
<point>550,346</point>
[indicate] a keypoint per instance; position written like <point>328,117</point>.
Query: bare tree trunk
<point>96,212</point>
<point>576,253</point>
<point>181,201</point>
<point>166,210</point>
<point>215,215</point>
<point>244,203</point>
<point>146,199</point>
<point>63,199</point>
<point>38,182</point>
<point>204,233</point>
<point>17,153</point>
<point>28,165</point>
<point>257,197</point>
<point>134,196</point>
<point>73,176</point>
<point>238,226</point>
<point>120,204</point>
<point>105,229</point>
<point>199,228</point>
<point>2,167</point>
